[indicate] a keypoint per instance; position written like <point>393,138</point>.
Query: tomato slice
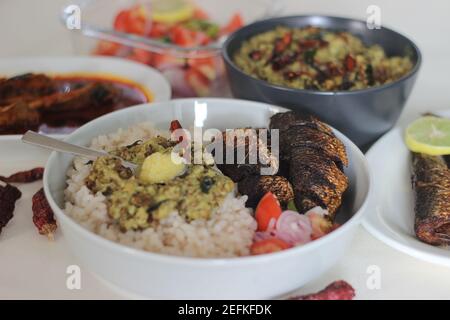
<point>268,208</point>
<point>201,38</point>
<point>182,36</point>
<point>198,82</point>
<point>268,246</point>
<point>235,23</point>
<point>189,38</point>
<point>121,21</point>
<point>139,20</point>
<point>166,60</point>
<point>108,48</point>
<point>158,30</point>
<point>134,20</point>
<point>141,55</point>
<point>196,62</point>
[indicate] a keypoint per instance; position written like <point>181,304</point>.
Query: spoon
<point>44,141</point>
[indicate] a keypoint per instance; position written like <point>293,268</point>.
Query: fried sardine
<point>431,183</point>
<point>315,157</point>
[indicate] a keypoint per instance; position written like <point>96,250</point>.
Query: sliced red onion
<point>293,228</point>
<point>180,87</point>
<point>263,235</point>
<point>268,234</point>
<point>320,224</point>
<point>169,62</point>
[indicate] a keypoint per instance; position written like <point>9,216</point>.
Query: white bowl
<point>155,275</point>
<point>146,77</point>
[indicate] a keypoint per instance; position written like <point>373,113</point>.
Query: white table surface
<point>30,28</point>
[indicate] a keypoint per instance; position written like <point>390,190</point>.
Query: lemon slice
<point>171,11</point>
<point>430,135</point>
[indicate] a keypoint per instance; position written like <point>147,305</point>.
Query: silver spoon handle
<point>41,140</point>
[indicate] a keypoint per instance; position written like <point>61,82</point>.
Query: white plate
<point>144,76</point>
<point>392,217</point>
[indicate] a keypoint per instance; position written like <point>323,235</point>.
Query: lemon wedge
<point>429,135</point>
<point>171,11</point>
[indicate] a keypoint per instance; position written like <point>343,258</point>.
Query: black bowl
<point>363,115</point>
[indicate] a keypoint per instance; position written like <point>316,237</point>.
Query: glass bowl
<point>191,71</point>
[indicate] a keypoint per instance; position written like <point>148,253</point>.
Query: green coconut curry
<point>162,185</point>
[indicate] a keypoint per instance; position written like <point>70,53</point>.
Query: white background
<point>30,28</point>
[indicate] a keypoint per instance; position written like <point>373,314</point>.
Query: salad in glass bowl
<point>180,38</point>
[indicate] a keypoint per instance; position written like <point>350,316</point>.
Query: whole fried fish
<point>431,183</point>
<point>315,157</point>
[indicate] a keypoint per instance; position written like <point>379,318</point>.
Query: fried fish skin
<point>431,183</point>
<point>248,141</point>
<point>306,130</point>
<point>315,157</point>
<point>298,136</point>
<point>256,186</point>
<point>285,120</point>
<point>317,179</point>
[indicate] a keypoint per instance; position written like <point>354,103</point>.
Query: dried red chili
<point>24,176</point>
<point>312,44</point>
<point>8,197</point>
<point>43,215</point>
<point>174,125</point>
<point>280,61</point>
<point>287,38</point>
<point>334,70</point>
<point>338,290</point>
<point>308,43</point>
<point>280,46</point>
<point>350,63</point>
<point>255,55</point>
<point>291,75</point>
